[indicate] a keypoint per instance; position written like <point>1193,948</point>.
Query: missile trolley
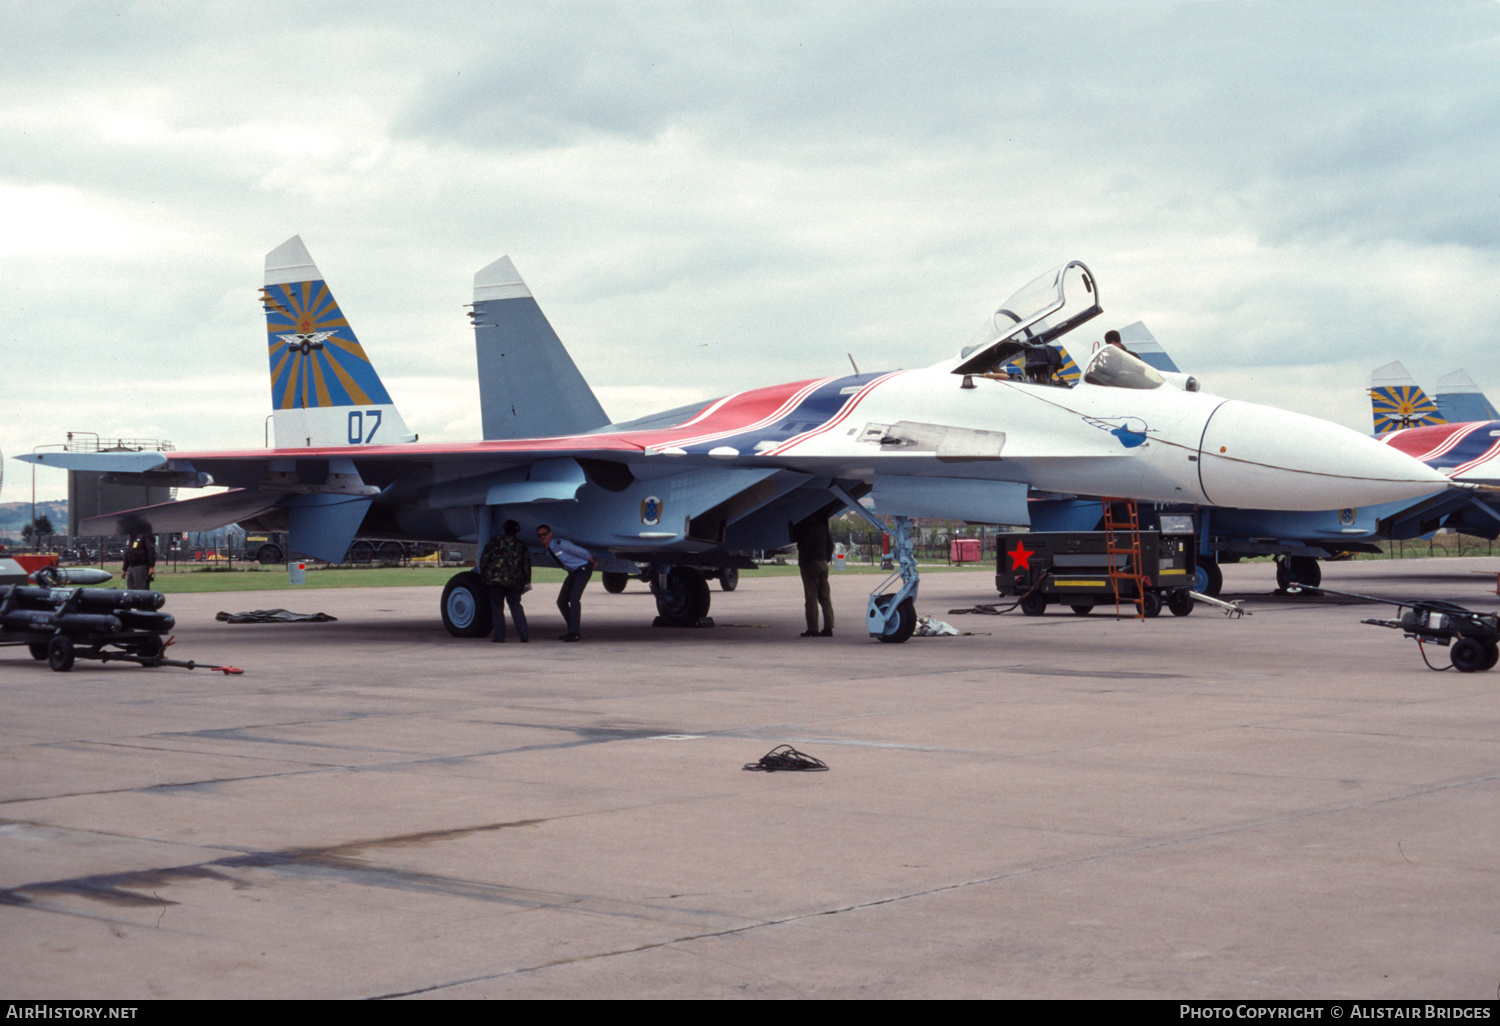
<point>1472,639</point>
<point>62,625</point>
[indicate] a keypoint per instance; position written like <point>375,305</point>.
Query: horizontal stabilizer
<point>529,387</point>
<point>204,513</point>
<point>1460,401</point>
<point>102,462</point>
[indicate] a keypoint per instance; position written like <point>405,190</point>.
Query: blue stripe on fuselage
<point>1475,444</point>
<point>819,407</point>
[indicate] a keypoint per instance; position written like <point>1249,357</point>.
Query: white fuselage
<point>1159,444</point>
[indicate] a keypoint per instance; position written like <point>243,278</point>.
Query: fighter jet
<point>706,485</point>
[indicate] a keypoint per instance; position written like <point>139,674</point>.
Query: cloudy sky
<point>708,197</point>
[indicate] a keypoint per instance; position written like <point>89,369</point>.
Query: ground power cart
<point>1073,568</point>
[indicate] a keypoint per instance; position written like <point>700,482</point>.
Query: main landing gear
<point>682,597</point>
<point>892,616</point>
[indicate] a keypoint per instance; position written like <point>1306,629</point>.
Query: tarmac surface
<point>1282,806</point>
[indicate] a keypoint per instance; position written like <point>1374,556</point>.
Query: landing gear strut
<point>892,616</point>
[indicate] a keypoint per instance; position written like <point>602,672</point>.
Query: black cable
<point>1423,650</point>
<point>785,757</point>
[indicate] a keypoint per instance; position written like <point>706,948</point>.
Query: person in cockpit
<point>1112,338</point>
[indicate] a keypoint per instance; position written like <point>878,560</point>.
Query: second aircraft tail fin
<point>1139,340</point>
<point>1397,402</point>
<point>1459,400</point>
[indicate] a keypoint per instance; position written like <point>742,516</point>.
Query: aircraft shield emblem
<point>651,511</point>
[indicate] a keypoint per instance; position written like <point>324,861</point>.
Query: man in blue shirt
<point>579,564</point>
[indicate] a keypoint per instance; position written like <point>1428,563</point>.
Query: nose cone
<point>1261,458</point>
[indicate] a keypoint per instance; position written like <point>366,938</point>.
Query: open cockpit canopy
<point>1043,311</point>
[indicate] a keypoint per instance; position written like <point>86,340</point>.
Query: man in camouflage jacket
<point>505,566</point>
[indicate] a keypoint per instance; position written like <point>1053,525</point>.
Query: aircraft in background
<point>705,485</point>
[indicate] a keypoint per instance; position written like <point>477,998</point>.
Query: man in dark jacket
<point>814,550</point>
<point>140,559</point>
<point>505,565</point>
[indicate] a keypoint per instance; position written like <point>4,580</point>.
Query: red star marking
<point>1020,557</point>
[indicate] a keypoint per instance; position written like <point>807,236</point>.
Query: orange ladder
<point>1129,568</point>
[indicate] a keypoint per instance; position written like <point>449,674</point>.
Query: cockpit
<point>1021,340</point>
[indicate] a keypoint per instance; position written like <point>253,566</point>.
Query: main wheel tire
<point>906,623</point>
<point>614,583</point>
<point>466,606</point>
<point>1082,610</point>
<point>1151,604</point>
<point>269,554</point>
<point>1034,604</point>
<point>1298,570</point>
<point>685,598</point>
<point>361,552</point>
<point>1209,578</point>
<point>38,651</point>
<point>729,578</point>
<point>1468,655</point>
<point>391,552</point>
<point>1180,603</point>
<point>1305,570</point>
<point>1491,655</point>
<point>60,653</point>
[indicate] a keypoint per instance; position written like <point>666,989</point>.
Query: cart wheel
<point>1151,604</point>
<point>151,646</point>
<point>1468,655</point>
<point>60,653</point>
<point>1180,603</point>
<point>38,651</point>
<point>1491,655</point>
<point>1034,604</point>
<point>1082,610</point>
<point>1208,579</point>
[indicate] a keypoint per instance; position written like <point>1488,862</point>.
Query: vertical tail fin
<point>1396,402</point>
<point>529,387</point>
<point>324,390</point>
<point>1139,340</point>
<point>1460,400</point>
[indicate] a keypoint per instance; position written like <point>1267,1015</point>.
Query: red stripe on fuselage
<point>739,412</point>
<point>1428,443</point>
<point>837,418</point>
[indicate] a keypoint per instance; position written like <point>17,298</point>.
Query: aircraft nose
<point>1262,458</point>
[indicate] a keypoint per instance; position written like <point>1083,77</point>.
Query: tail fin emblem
<point>306,341</point>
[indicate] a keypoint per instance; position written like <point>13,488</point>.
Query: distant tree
<point>42,525</point>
